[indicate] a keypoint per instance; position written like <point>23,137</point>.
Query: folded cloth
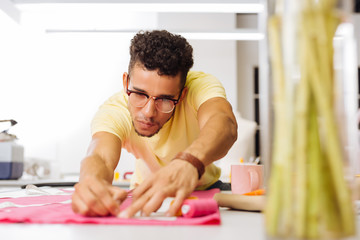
<point>57,209</point>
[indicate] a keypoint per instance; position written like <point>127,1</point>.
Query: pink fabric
<point>62,213</point>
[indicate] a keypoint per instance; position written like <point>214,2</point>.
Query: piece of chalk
<point>179,213</point>
<point>199,207</point>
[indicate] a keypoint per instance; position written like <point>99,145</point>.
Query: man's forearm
<point>95,166</point>
<point>217,134</point>
<point>102,157</point>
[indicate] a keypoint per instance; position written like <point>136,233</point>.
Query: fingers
<point>175,180</point>
<point>78,206</point>
<point>154,203</point>
<point>119,195</point>
<point>97,199</point>
<point>146,200</point>
<point>107,200</point>
<point>141,189</point>
<point>179,199</point>
<point>151,202</point>
<point>134,207</point>
<point>90,200</point>
<point>140,196</point>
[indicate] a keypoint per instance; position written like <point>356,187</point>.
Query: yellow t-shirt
<point>175,136</point>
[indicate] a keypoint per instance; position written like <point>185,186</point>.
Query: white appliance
<point>11,160</point>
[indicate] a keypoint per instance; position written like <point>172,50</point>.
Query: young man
<point>175,122</point>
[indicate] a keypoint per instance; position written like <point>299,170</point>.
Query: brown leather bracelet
<point>193,160</point>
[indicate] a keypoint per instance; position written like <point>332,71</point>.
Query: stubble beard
<point>157,131</point>
<point>143,135</point>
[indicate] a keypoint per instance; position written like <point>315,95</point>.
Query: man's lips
<point>145,124</point>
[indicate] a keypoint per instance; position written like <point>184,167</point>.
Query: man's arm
<point>218,132</point>
<point>94,194</point>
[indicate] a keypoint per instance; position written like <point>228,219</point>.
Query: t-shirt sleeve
<point>202,87</point>
<point>113,117</point>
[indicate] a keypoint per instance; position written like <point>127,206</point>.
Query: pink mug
<point>246,178</point>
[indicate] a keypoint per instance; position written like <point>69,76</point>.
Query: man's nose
<point>149,109</point>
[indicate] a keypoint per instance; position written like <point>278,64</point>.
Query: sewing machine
<point>11,160</point>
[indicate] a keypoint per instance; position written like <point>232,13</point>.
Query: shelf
<point>83,11</point>
<point>244,6</point>
<point>241,35</point>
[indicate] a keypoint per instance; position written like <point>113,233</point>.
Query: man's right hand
<point>97,197</point>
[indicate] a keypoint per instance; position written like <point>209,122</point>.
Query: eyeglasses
<point>140,99</point>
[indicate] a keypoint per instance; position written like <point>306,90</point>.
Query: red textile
<point>61,213</point>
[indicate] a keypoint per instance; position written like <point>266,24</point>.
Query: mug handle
<point>126,174</point>
<point>254,179</point>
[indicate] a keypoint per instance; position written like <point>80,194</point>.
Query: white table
<point>248,225</point>
<point>234,225</point>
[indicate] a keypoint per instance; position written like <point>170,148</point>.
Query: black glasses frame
<point>128,92</point>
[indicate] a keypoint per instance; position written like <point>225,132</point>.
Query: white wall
<point>217,57</point>
<point>52,84</point>
<point>87,68</point>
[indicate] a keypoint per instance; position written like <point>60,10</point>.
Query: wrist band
<point>193,160</point>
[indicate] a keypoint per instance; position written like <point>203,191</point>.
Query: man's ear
<point>125,78</point>
<point>183,93</point>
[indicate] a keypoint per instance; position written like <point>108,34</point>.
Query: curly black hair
<point>160,50</point>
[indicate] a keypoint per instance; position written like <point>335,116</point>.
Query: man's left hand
<point>178,179</point>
